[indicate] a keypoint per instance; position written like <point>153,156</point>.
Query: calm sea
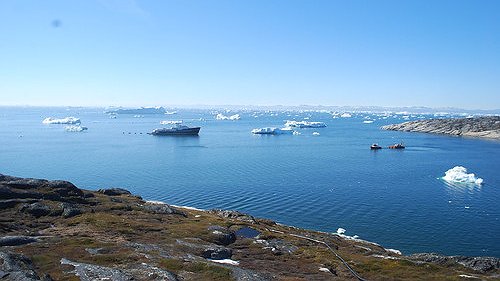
<point>320,182</point>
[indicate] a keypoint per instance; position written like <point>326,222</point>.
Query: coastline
<point>54,230</point>
<point>487,127</point>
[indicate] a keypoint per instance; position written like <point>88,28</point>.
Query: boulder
<point>37,209</point>
<point>16,240</point>
<point>233,215</point>
<point>161,208</point>
<point>221,235</point>
<point>16,267</point>
<point>205,250</point>
<point>70,210</point>
<point>116,191</point>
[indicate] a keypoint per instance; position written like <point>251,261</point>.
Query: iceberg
<point>67,120</point>
<point>304,124</point>
<point>315,134</point>
<point>458,174</point>
<point>221,116</point>
<point>273,131</point>
<point>74,128</point>
<point>368,121</point>
<point>171,122</point>
<point>346,115</point>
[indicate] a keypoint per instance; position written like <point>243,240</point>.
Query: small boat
<point>397,146</point>
<point>375,146</point>
<point>177,130</point>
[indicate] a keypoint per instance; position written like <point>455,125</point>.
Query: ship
<point>177,130</point>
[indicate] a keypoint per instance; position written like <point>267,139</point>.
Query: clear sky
<point>113,52</point>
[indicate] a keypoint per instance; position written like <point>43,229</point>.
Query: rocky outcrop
<point>483,127</point>
<point>115,191</point>
<point>15,267</point>
<point>53,230</point>
<point>481,264</point>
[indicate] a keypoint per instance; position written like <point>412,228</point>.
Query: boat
<point>375,146</point>
<point>177,130</point>
<point>397,146</point>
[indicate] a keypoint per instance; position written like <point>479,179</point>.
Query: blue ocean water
<point>392,197</point>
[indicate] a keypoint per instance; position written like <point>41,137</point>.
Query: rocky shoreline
<point>482,127</point>
<point>52,230</point>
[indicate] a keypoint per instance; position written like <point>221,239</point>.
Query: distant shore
<point>487,127</point>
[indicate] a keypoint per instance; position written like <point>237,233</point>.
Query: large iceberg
<point>273,131</point>
<point>67,120</point>
<point>304,124</point>
<point>458,174</point>
<point>221,116</point>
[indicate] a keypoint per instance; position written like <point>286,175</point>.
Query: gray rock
<point>278,246</point>
<point>70,210</point>
<point>116,191</point>
<point>221,235</point>
<point>233,215</point>
<point>90,272</point>
<point>481,264</point>
<point>16,240</point>
<point>11,203</point>
<point>37,209</point>
<point>205,250</point>
<point>160,208</point>
<point>484,127</point>
<point>17,267</point>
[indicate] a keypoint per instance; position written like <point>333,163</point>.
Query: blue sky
<point>112,52</point>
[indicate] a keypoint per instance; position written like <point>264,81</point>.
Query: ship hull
<point>184,132</point>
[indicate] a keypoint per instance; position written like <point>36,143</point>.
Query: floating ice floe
<point>226,261</point>
<point>273,131</point>
<point>67,120</point>
<point>368,121</point>
<point>170,112</point>
<point>459,175</point>
<point>304,124</point>
<point>171,122</point>
<point>346,115</point>
<point>74,128</point>
<point>221,116</point>
<point>315,134</point>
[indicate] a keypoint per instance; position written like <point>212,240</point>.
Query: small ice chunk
<point>346,115</point>
<point>315,134</point>
<point>74,128</point>
<point>67,120</point>
<point>458,174</point>
<point>324,269</point>
<point>368,121</point>
<point>226,261</point>
<point>340,230</point>
<point>221,116</point>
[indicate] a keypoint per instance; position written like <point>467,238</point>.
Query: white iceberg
<point>346,115</point>
<point>304,124</point>
<point>368,121</point>
<point>75,128</point>
<point>458,174</point>
<point>340,230</point>
<point>221,116</point>
<point>67,120</point>
<point>273,131</point>
<point>315,134</point>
